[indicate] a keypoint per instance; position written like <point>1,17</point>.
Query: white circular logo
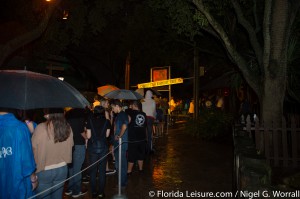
<point>140,120</point>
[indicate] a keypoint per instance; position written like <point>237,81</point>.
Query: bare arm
<point>88,133</point>
<point>123,129</point>
<point>84,134</point>
<point>107,132</point>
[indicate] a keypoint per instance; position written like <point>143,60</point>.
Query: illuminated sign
<point>161,83</point>
<point>159,74</point>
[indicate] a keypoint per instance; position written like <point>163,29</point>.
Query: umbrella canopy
<point>142,91</point>
<point>22,89</point>
<point>102,90</point>
<point>124,94</point>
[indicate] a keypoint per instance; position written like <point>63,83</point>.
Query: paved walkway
<point>181,166</point>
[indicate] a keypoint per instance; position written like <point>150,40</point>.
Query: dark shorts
<point>136,151</point>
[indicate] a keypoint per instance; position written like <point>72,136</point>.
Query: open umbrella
<point>102,90</point>
<point>124,94</point>
<point>143,91</point>
<point>21,89</point>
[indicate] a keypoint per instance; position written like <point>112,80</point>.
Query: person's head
<point>136,105</point>
<point>99,111</point>
<point>148,94</point>
<point>96,98</point>
<point>61,128</point>
<point>116,106</point>
<point>104,102</point>
<point>28,115</point>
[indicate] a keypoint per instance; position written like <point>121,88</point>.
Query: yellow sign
<point>161,83</point>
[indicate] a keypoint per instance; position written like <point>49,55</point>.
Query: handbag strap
<point>93,130</point>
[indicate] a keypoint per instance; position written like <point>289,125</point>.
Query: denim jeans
<point>124,163</point>
<point>101,166</point>
<point>49,178</point>
<point>78,158</point>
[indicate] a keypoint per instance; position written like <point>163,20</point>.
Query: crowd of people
<point>187,106</point>
<point>39,157</point>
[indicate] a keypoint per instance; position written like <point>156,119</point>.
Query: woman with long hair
<point>98,129</point>
<point>52,143</point>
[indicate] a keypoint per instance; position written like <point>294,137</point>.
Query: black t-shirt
<point>137,126</point>
<point>76,118</point>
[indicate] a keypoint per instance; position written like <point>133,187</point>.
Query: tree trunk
<point>272,101</point>
<point>275,62</point>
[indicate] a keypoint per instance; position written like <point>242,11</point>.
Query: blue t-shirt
<point>16,158</point>
<point>122,118</point>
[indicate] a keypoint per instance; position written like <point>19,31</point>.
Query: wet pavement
<point>182,166</point>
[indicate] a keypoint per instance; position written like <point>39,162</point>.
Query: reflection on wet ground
<point>181,165</point>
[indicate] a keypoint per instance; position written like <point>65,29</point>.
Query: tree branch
<point>295,5</point>
<point>16,43</point>
<point>250,30</point>
<point>257,24</point>
<point>237,58</point>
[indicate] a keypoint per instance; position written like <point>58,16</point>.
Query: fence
<point>281,146</point>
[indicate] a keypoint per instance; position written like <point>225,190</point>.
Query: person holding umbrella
<point>17,179</point>
<point>52,143</point>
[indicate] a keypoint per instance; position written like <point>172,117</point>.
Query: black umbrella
<point>21,89</point>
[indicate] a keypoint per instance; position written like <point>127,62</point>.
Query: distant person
<point>149,107</point>
<point>179,106</point>
<point>172,105</point>
<point>52,143</point>
<point>245,110</point>
<point>121,131</point>
<point>76,117</point>
<point>220,103</point>
<point>159,114</point>
<point>159,121</point>
<point>98,129</point>
<point>17,177</point>
<point>96,101</point>
<point>105,104</point>
<point>28,119</point>
<point>137,128</point>
<point>191,108</point>
<point>109,115</point>
<point>165,106</point>
<point>186,106</point>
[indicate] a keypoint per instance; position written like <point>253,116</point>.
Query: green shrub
<point>210,124</point>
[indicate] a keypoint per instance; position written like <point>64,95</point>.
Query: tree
<point>267,25</point>
<point>42,14</point>
<point>98,35</point>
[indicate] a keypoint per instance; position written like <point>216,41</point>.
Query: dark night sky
<point>100,58</point>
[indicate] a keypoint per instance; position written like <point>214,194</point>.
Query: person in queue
<point>149,107</point>
<point>52,143</point>
<point>98,129</point>
<point>18,178</point>
<point>137,128</point>
<point>121,131</point>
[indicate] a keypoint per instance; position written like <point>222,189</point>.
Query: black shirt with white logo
<point>137,126</point>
